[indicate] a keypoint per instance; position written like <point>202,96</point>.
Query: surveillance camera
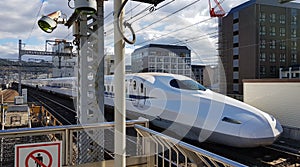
<point>49,23</point>
<point>86,6</point>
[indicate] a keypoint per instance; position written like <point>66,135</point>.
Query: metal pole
<point>119,83</point>
<point>19,69</point>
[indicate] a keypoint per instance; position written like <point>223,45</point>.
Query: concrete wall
<point>279,98</point>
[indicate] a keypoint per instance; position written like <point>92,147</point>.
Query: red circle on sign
<point>31,156</point>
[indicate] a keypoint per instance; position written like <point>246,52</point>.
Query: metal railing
<point>167,151</point>
<point>141,142</point>
<point>66,134</point>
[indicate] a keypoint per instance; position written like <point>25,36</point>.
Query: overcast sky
<point>19,21</point>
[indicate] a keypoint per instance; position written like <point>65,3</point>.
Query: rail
<point>178,153</point>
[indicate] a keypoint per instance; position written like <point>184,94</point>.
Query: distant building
<point>162,58</point>
<point>128,69</point>
<point>197,73</point>
<point>257,38</point>
<point>290,72</point>
<point>211,77</point>
<point>109,64</point>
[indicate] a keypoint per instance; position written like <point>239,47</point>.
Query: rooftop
<point>163,46</point>
<point>264,2</point>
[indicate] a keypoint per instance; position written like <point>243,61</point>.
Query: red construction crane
<point>216,13</point>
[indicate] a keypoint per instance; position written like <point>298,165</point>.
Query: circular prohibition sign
<point>31,156</point>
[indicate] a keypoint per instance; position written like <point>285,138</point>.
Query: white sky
<point>19,21</point>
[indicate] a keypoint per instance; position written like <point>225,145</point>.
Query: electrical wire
<point>38,14</point>
<point>180,29</point>
<point>151,9</point>
<point>168,16</point>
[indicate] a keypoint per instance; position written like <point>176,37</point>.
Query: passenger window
<point>142,87</point>
<point>134,85</point>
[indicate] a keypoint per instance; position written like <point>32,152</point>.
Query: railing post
<point>150,152</point>
<point>66,147</point>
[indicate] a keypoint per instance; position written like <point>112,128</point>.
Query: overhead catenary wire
<point>180,29</point>
<point>36,18</point>
<point>157,21</point>
<point>148,8</point>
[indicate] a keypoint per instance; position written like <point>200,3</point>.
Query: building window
<point>272,18</point>
<point>152,59</point>
<point>282,31</point>
<point>272,31</point>
<point>262,17</point>
<point>262,43</point>
<point>294,20</point>
<point>272,44</point>
<point>262,70</point>
<point>152,53</point>
<point>273,70</point>
<point>282,57</point>
<point>272,57</point>
<point>236,63</point>
<point>262,57</point>
<point>293,33</point>
<point>282,19</point>
<point>236,39</point>
<point>293,45</point>
<point>235,75</point>
<point>236,87</point>
<point>235,15</point>
<point>282,45</point>
<point>235,26</point>
<point>262,30</point>
<point>235,51</point>
<point>294,58</point>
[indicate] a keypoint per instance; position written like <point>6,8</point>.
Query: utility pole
<point>119,83</point>
<point>90,93</point>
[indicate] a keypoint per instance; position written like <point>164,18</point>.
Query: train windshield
<point>186,84</point>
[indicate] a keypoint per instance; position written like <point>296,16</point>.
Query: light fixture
<point>49,23</point>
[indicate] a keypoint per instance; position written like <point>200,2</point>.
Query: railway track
<point>62,109</point>
<point>268,156</point>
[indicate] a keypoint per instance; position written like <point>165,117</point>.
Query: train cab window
<point>142,87</point>
<point>186,84</point>
<point>112,88</point>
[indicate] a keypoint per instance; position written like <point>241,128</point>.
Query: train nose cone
<point>260,132</point>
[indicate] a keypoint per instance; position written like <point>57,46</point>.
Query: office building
<point>162,58</point>
<point>256,39</point>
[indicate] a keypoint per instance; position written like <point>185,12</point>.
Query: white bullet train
<point>185,108</point>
